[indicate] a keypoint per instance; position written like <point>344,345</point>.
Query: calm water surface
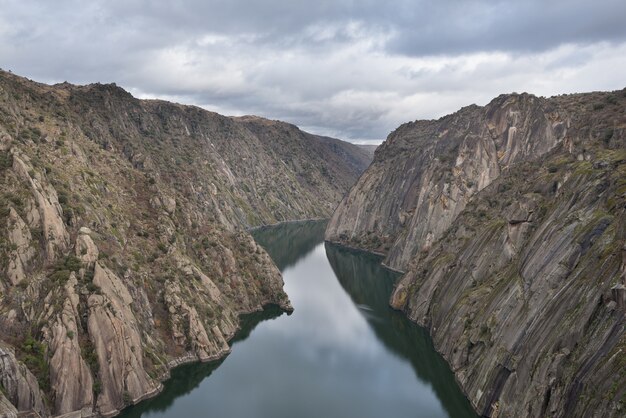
<point>343,353</point>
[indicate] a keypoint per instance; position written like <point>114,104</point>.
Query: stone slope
<point>330,169</point>
<point>123,242</point>
<point>509,222</point>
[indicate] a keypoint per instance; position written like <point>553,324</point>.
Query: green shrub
<point>73,263</point>
<point>34,357</point>
<point>91,358</point>
<point>63,269</point>
<point>6,160</point>
<point>89,275</point>
<point>62,198</point>
<point>36,233</point>
<point>60,276</point>
<point>93,288</point>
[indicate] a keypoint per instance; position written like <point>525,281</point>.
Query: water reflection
<point>186,378</point>
<point>343,352</point>
<point>369,286</point>
<point>288,242</point>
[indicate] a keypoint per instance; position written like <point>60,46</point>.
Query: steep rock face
<point>123,246</point>
<point>117,343</point>
<point>19,385</point>
<point>517,263</point>
<point>22,252</point>
<point>261,171</point>
<point>433,168</point>
<point>47,201</point>
<point>520,302</point>
<point>7,410</point>
<point>330,161</point>
<point>70,378</point>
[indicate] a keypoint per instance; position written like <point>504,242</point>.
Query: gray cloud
<point>352,69</point>
<point>523,26</point>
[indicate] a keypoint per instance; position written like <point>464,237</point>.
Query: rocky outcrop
<point>435,167</point>
<point>19,385</point>
<point>22,251</point>
<point>86,250</point>
<point>70,378</point>
<point>7,410</point>
<point>117,343</point>
<point>50,212</point>
<point>188,329</point>
<point>509,223</point>
<point>123,246</point>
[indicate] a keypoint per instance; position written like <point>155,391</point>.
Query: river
<point>343,352</point>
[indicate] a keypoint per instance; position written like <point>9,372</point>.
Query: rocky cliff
<point>510,223</point>
<point>123,240</point>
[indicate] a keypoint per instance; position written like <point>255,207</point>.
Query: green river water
<point>343,353</point>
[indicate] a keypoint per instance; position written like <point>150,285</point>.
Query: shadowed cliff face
<point>123,240</point>
<point>509,223</point>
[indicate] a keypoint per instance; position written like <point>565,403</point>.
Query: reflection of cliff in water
<point>369,286</point>
<point>287,243</point>
<point>184,379</point>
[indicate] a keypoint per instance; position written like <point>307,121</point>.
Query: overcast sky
<point>347,68</point>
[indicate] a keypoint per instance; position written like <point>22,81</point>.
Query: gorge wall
<point>123,240</point>
<point>509,221</point>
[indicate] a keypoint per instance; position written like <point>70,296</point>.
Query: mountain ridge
<point>124,240</point>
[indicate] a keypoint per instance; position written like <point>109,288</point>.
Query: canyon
<point>126,246</point>
<point>509,224</point>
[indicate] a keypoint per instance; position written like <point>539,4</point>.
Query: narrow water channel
<point>342,353</point>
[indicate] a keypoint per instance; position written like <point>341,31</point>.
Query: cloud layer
<point>347,68</point>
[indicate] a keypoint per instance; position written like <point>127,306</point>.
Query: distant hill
<point>370,149</point>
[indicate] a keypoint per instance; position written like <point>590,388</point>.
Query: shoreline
<point>185,360</point>
<point>426,328</point>
<point>363,250</point>
<point>292,221</point>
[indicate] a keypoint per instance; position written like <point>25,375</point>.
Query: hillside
<point>509,221</point>
<point>123,241</point>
